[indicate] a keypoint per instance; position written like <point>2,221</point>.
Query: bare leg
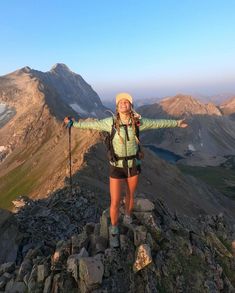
<point>115,194</point>
<point>130,191</point>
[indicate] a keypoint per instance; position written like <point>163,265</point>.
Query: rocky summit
<point>64,247</point>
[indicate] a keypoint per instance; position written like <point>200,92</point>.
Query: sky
<point>150,48</point>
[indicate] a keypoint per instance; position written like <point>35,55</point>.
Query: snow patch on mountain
<point>2,108</point>
<point>2,148</point>
<point>5,114</point>
<point>78,109</point>
<point>191,147</point>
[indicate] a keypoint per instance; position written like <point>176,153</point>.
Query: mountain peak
<point>25,69</point>
<point>60,67</point>
<point>180,98</point>
<point>187,105</point>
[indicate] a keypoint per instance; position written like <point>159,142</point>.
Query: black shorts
<point>122,173</point>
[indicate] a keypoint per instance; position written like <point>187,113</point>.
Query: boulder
<point>149,220</point>
<point>104,224</point>
<point>73,263</point>
<point>143,205</point>
<point>3,282</point>
<point>140,235</point>
<point>42,272</point>
<point>97,244</point>
<point>143,257</point>
<point>18,287</point>
<point>8,267</point>
<point>91,272</point>
<point>47,285</point>
<point>25,267</point>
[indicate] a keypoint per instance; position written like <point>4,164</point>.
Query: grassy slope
<point>23,178</point>
<point>34,170</point>
<point>19,181</point>
<point>217,177</point>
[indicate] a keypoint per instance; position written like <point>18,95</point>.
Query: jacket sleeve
<point>146,123</point>
<point>101,125</point>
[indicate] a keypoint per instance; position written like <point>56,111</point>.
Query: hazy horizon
<point>150,49</point>
<point>107,94</point>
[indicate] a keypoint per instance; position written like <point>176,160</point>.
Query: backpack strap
<point>111,154</point>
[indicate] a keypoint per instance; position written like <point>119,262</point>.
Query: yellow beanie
<point>122,96</point>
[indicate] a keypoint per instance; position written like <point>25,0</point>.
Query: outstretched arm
<point>146,123</point>
<point>101,125</point>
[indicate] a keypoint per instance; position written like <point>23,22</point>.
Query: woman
<point>125,158</point>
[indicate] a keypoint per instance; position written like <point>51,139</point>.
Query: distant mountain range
<point>217,100</point>
<point>180,105</point>
<point>137,102</point>
<point>34,145</point>
<point>209,137</point>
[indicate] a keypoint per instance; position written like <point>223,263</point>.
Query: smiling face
<point>124,106</point>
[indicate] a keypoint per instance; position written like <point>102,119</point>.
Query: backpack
<point>109,145</point>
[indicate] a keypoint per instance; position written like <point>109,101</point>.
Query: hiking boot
<point>127,220</point>
<point>114,236</point>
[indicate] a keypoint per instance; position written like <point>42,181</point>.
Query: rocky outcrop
<point>159,252</point>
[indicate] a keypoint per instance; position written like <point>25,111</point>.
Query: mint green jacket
<point>127,148</point>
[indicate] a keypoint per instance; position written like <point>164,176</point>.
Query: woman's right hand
<point>66,120</point>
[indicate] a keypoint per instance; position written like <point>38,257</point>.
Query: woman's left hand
<point>182,123</point>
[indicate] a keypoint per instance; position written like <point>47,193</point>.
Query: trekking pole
<point>69,126</point>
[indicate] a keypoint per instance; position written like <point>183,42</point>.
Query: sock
<point>114,230</point>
